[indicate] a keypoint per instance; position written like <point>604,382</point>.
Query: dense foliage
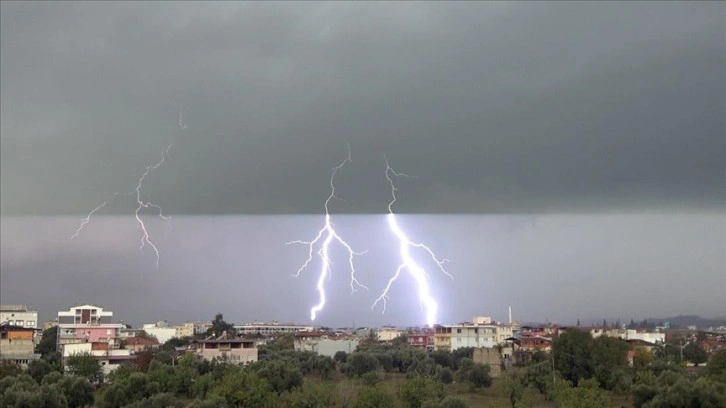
<point>588,373</point>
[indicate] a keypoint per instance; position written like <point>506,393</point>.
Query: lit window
<point>31,322</point>
<point>19,322</point>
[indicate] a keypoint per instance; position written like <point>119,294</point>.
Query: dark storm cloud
<point>553,267</point>
<point>496,107</point>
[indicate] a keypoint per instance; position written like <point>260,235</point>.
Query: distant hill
<point>690,320</point>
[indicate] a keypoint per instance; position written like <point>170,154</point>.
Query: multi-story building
<point>88,329</point>
<point>442,338</point>
<point>388,333</point>
<point>161,330</point>
<point>184,330</point>
<point>16,344</point>
<point>19,315</point>
<point>136,344</point>
<point>481,332</point>
<point>238,350</point>
<point>422,339</point>
<point>270,329</point>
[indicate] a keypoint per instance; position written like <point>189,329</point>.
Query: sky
<point>577,126</point>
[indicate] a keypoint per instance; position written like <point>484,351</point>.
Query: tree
<point>84,365</point>
<point>219,326</point>
<point>282,375</point>
<point>445,376</point>
<point>374,397</point>
<point>694,354</point>
<point>587,395</point>
<point>310,396</point>
<point>571,352</point>
<point>448,402</point>
<point>421,389</point>
<point>608,360</point>
<point>360,363</point>
<point>79,392</point>
<point>642,358</point>
<point>512,385</point>
<point>340,357</point>
<point>244,388</point>
<point>38,369</point>
<point>716,369</point>
<point>324,365</point>
<point>479,376</point>
<point>47,344</point>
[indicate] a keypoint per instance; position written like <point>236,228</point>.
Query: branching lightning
<point>426,301</point>
<point>140,203</point>
<point>325,237</point>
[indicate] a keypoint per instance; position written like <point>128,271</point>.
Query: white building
<point>19,315</point>
<point>269,329</point>
<point>654,338</point>
<point>325,345</point>
<point>388,333</point>
<point>482,332</point>
<point>109,358</point>
<point>161,330</point>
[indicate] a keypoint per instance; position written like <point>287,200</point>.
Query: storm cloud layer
<point>496,107</point>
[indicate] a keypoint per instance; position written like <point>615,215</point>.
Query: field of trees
<point>588,373</point>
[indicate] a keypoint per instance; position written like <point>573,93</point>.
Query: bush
<point>374,397</point>
<point>421,389</point>
<point>445,376</point>
<point>479,376</point>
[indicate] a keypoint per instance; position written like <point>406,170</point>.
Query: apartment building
<point>19,315</point>
<point>325,344</point>
<point>238,350</point>
<point>89,329</point>
<point>16,344</point>
<point>270,329</point>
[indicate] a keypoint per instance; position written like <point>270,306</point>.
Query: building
<point>161,330</point>
<point>184,330</point>
<point>325,344</point>
<point>87,324</point>
<point>270,329</point>
<point>423,339</point>
<point>108,357</point>
<point>89,329</point>
<point>442,338</point>
<point>491,357</point>
<point>136,344</point>
<point>16,344</point>
<point>237,349</point>
<point>388,333</point>
<point>19,315</point>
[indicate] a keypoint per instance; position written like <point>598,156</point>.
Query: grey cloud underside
<point>494,107</point>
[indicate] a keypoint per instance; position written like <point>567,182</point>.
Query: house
<point>16,344</point>
<point>423,339</point>
<point>234,349</point>
<point>388,333</point>
<point>19,315</point>
<point>535,342</point>
<point>109,358</point>
<point>324,343</point>
<point>136,344</point>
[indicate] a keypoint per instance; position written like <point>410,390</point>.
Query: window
<point>19,322</point>
<point>476,331</point>
<point>31,322</point>
<point>458,330</point>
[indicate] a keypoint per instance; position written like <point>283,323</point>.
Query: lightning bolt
<point>325,237</point>
<point>140,203</point>
<point>145,204</point>
<point>426,301</point>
